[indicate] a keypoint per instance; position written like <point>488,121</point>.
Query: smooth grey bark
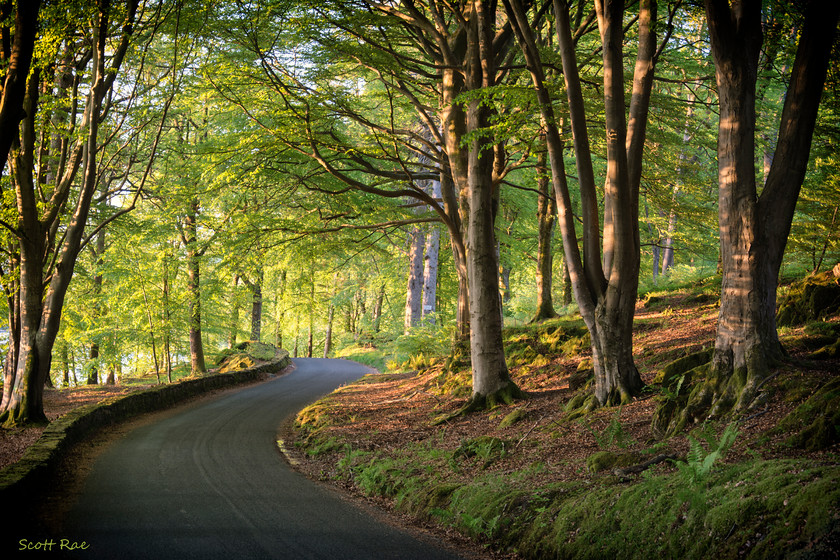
<point>377,308</point>
<point>668,249</point>
<point>430,274</point>
<point>605,295</point>
<point>430,264</point>
<point>490,373</point>
<point>328,335</point>
<point>754,228</point>
<point>414,283</point>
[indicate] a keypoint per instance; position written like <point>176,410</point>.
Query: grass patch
<point>755,509</point>
<point>370,356</point>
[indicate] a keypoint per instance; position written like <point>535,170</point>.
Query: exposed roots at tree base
<point>580,404</point>
<point>543,315</point>
<point>506,395</point>
<point>618,396</point>
<point>708,392</point>
<point>9,420</point>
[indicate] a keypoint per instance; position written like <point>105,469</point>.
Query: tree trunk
<point>297,332</point>
<point>331,316</point>
<point>93,372</point>
<point>65,364</point>
<point>430,274</point>
<point>504,282</point>
<point>453,177</point>
<point>167,317</point>
<point>668,250</point>
<point>377,308</point>
<point>41,305</point>
<point>256,306</point>
<point>14,79</point>
<point>151,331</point>
<point>93,365</point>
<point>546,209</point>
<point>360,312</point>
<point>491,379</point>
<point>197,364</point>
<point>619,380</point>
<point>281,315</point>
<point>567,286</point>
<point>606,302</point>
<point>414,289</point>
<point>309,347</point>
<point>754,229</point>
<point>234,313</point>
<point>328,336</point>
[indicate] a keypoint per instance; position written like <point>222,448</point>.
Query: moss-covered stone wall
<point>40,460</point>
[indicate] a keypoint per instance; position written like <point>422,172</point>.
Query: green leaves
<point>700,459</point>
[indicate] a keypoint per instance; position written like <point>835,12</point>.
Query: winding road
<point>209,482</point>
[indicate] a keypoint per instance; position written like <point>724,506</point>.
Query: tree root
<point>506,395</point>
<point>713,393</point>
<point>641,467</point>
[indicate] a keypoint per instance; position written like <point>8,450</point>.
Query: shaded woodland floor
<point>394,410</point>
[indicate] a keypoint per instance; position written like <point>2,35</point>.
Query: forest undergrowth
<point>541,478</point>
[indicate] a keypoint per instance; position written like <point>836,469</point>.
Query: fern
<point>699,461</point>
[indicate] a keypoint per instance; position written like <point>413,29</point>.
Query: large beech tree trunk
<point>753,228</point>
<point>606,295</point>
<point>491,379</point>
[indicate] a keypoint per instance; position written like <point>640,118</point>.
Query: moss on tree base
<point>505,395</point>
<point>705,391</point>
<point>580,404</point>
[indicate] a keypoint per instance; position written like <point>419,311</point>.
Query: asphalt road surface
<point>210,483</point>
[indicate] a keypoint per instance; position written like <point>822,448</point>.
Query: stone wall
<point>40,460</point>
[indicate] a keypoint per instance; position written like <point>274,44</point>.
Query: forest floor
<point>357,439</point>
<point>397,408</point>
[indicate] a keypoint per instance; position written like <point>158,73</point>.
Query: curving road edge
<point>207,482</point>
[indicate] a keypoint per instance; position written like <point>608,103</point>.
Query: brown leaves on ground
<point>391,411</point>
<point>13,442</point>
